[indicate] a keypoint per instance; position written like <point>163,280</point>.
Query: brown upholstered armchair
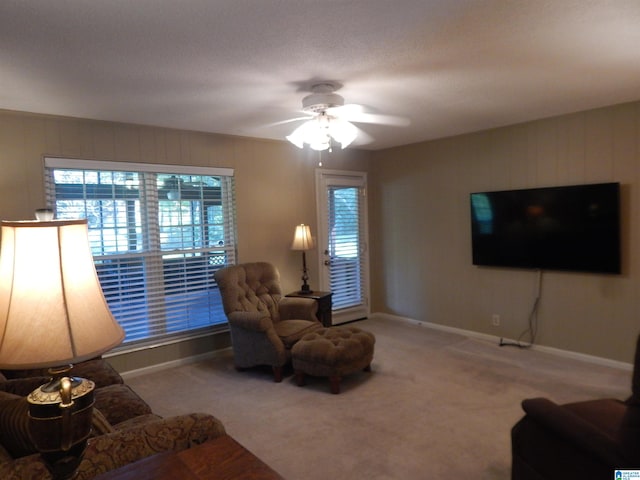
<point>264,325</point>
<point>581,440</point>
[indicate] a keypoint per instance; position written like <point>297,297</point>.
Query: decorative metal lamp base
<point>60,416</point>
<point>305,276</point>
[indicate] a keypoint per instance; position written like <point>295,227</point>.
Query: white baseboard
<point>607,362</point>
<point>467,333</point>
<point>173,363</point>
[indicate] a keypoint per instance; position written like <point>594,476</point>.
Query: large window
<point>157,233</point>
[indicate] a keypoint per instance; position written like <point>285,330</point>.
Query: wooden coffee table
<point>219,459</point>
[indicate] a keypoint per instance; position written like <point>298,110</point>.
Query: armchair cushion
<point>298,307</point>
<point>290,331</point>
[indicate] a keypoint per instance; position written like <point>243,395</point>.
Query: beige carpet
<point>436,405</point>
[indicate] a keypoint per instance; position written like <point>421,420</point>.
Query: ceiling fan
<point>330,120</point>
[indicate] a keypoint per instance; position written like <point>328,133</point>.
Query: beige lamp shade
<point>302,239</point>
<point>52,309</point>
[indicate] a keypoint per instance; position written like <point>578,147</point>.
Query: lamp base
<point>64,464</point>
<point>60,417</point>
<point>305,276</point>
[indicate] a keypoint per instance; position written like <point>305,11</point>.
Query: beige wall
<point>420,221</point>
<point>419,214</point>
<point>275,182</point>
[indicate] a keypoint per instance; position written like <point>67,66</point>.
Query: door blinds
<point>346,243</point>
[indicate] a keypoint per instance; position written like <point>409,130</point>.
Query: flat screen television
<point>571,228</point>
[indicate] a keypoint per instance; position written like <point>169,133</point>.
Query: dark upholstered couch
<point>581,440</point>
<point>124,427</point>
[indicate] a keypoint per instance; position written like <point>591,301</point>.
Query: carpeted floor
<point>436,405</point>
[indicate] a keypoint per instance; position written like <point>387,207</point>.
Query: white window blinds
<point>346,243</point>
<point>157,232</point>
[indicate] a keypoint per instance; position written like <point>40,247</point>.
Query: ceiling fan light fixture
<point>297,136</point>
<point>342,131</point>
<point>323,97</point>
<point>320,146</point>
<point>318,132</point>
<point>311,132</point>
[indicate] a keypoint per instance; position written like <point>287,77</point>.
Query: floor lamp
<point>53,314</point>
<point>302,240</point>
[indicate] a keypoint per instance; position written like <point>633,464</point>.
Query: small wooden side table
<point>324,304</point>
<point>221,458</point>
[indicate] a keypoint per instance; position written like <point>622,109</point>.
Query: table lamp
<point>53,314</point>
<point>302,240</point>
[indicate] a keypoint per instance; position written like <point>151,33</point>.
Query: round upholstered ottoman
<point>332,352</point>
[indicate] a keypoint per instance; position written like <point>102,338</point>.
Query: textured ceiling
<point>238,66</point>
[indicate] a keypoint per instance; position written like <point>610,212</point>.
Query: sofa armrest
<point>114,450</point>
<point>297,308</point>
<point>255,321</point>
<point>576,430</point>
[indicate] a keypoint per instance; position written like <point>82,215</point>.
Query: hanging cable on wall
<point>532,328</point>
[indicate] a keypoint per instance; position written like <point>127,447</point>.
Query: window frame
<point>192,266</point>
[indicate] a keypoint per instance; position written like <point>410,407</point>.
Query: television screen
<point>573,228</point>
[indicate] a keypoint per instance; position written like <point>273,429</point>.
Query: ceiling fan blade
<point>347,109</point>
<point>381,119</point>
<point>363,137</point>
<point>290,120</point>
<point>356,113</point>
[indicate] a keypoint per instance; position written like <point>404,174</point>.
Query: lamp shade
<point>302,239</point>
<point>52,309</point>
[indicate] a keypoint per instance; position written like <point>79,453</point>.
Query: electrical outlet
<point>495,320</point>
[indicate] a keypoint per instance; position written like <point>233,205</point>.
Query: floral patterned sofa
<point>124,427</point>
